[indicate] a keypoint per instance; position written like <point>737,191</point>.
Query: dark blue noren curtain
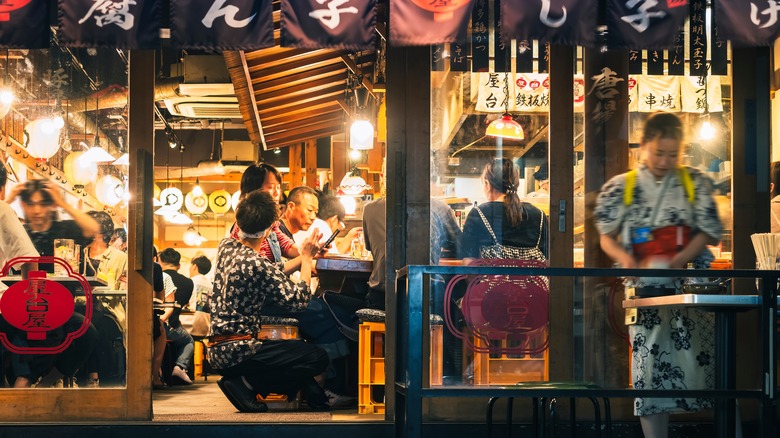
<point>24,24</point>
<point>237,25</point>
<point>344,25</point>
<point>123,25</point>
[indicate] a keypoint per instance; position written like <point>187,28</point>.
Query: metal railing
<point>411,367</point>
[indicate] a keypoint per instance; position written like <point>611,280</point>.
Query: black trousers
<point>281,367</point>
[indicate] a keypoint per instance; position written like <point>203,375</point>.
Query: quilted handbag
<point>499,251</point>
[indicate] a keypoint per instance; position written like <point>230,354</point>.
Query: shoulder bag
<point>499,251</point>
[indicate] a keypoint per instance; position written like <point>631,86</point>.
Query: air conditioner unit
<point>204,107</point>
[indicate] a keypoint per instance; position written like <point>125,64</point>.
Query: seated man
<point>179,336</point>
<point>244,282</point>
<point>330,218</point>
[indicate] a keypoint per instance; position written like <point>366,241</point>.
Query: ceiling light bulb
<point>707,131</point>
<point>361,135</point>
<point>355,154</point>
<point>197,190</point>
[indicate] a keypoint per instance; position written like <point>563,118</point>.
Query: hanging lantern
<point>191,237</point>
<point>109,190</point>
<point>172,199</point>
<point>42,137</point>
<point>79,172</point>
<point>234,199</point>
<point>6,100</point>
<point>219,201</point>
<point>37,306</point>
<point>196,204</point>
<point>352,185</point>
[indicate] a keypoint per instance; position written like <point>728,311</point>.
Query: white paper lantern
<point>196,204</point>
<point>172,198</point>
<point>79,172</point>
<point>234,199</point>
<point>109,190</point>
<point>42,138</point>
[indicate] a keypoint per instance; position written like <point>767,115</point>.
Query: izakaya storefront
<point>575,104</point>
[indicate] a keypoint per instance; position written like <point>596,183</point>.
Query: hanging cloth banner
<point>241,25</point>
<point>492,95</point>
<point>129,24</point>
<point>633,95</point>
<point>424,22</point>
<point>693,94</point>
<point>748,23</point>
<point>570,22</point>
<point>24,24</point>
<point>314,24</point>
<point>658,93</point>
<point>645,24</point>
<point>532,93</point>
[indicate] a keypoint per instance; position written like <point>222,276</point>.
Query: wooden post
<point>311,164</point>
<point>296,175</point>
<point>339,160</point>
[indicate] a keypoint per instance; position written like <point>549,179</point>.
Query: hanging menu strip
<point>698,41</point>
<point>480,37</point>
<point>544,57</point>
<point>655,62</point>
<point>524,57</point>
<point>718,51</point>
<point>676,59</point>
<point>501,49</point>
<point>635,62</point>
<point>458,58</point>
<point>437,57</point>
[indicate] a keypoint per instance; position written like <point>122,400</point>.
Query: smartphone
<point>330,240</point>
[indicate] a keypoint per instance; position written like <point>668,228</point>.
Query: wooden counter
<point>344,275</point>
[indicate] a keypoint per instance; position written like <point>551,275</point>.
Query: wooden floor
<point>203,401</point>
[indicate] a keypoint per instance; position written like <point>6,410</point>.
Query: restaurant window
<point>65,143</point>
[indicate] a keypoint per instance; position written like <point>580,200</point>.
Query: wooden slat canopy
<point>288,96</point>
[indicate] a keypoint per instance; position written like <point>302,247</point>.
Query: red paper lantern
<point>9,6</point>
<point>37,305</point>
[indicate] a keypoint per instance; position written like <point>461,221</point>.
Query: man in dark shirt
<point>40,200</point>
<point>170,261</point>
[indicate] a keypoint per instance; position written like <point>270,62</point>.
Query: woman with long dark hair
<point>513,222</point>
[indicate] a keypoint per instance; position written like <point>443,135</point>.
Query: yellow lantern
<point>219,201</point>
<point>196,204</point>
<point>79,172</point>
<point>109,190</point>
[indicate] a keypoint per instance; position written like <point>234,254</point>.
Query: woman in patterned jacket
<point>662,215</point>
<point>243,284</point>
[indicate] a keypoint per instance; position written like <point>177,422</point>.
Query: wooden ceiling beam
<point>276,113</point>
<point>263,71</point>
<point>335,113</point>
<point>241,79</point>
<point>329,71</point>
<point>264,97</point>
<point>334,118</point>
<point>302,111</point>
<point>302,99</point>
<point>299,137</point>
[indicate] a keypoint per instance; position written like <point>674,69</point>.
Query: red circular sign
<point>37,305</point>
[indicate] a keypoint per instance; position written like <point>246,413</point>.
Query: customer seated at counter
<point>302,206</point>
<point>330,218</point>
<point>244,283</point>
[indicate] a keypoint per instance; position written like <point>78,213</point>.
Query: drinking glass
<point>64,249</point>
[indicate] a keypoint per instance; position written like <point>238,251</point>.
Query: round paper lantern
<point>219,201</point>
<point>109,190</point>
<point>234,199</point>
<point>172,198</point>
<point>196,204</point>
<point>79,172</point>
<point>42,138</point>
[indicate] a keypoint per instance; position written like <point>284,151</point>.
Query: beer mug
<point>64,249</point>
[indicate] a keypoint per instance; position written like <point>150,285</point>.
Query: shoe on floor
<point>242,398</point>
<point>181,374</point>
<point>314,396</point>
<point>340,401</point>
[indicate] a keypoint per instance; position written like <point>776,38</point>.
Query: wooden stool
<point>275,327</point>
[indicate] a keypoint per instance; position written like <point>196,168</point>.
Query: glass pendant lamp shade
<point>96,154</point>
<point>361,135</point>
<point>505,127</point>
<point>109,190</point>
<point>191,237</point>
<point>42,138</point>
<point>6,100</point>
